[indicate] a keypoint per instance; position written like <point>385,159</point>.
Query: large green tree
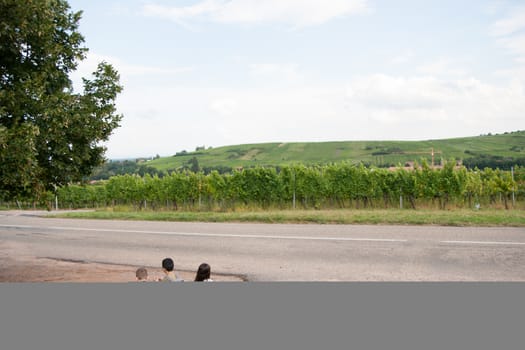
<point>49,134</point>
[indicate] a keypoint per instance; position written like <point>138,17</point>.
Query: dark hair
<point>167,264</point>
<point>203,273</point>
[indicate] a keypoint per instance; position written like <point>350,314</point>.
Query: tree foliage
<point>57,131</point>
<point>18,170</point>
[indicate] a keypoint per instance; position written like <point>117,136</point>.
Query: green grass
<point>459,217</point>
<point>274,154</point>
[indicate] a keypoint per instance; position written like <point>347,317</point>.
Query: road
<point>271,252</point>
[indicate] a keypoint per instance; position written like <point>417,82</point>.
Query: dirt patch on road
<point>51,270</point>
<point>27,268</point>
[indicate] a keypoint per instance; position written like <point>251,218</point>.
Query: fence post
<point>293,177</point>
<point>56,197</point>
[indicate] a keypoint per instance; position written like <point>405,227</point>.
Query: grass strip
<point>459,217</point>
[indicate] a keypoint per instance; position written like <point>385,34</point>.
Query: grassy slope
<point>353,151</point>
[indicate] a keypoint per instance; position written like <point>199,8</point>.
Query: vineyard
<point>340,185</point>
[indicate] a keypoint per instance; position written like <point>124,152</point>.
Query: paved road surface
<point>264,252</point>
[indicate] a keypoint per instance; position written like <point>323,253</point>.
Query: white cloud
<point>493,7</point>
<point>512,24</point>
<point>288,72</point>
<point>515,45</point>
<point>442,67</point>
<point>125,69</point>
<point>403,57</point>
<point>512,73</point>
<point>448,104</point>
<point>224,106</point>
<point>510,33</point>
<point>299,13</point>
<point>179,14</point>
<point>380,92</point>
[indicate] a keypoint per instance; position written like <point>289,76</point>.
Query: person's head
<point>203,273</point>
<point>142,274</point>
<point>167,264</point>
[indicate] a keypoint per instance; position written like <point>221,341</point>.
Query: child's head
<point>167,264</point>
<point>203,273</point>
<point>142,274</point>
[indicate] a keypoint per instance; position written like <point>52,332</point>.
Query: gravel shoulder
<point>28,268</point>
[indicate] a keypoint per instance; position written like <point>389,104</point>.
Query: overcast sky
<point>225,72</point>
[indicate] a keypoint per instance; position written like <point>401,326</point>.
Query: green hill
<point>509,145</point>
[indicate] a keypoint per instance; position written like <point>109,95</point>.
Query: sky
<point>224,72</point>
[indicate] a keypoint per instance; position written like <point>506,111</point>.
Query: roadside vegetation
<point>456,217</point>
<point>336,186</point>
<point>339,193</point>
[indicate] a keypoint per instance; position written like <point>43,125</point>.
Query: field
<point>379,153</point>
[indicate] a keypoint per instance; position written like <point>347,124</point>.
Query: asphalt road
<point>262,252</point>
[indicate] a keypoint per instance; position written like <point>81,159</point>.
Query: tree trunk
<point>412,202</point>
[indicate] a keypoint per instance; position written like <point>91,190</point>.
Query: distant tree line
<point>114,168</point>
<point>141,168</point>
<point>482,161</point>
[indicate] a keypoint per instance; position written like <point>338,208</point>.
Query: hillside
<point>378,153</point>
